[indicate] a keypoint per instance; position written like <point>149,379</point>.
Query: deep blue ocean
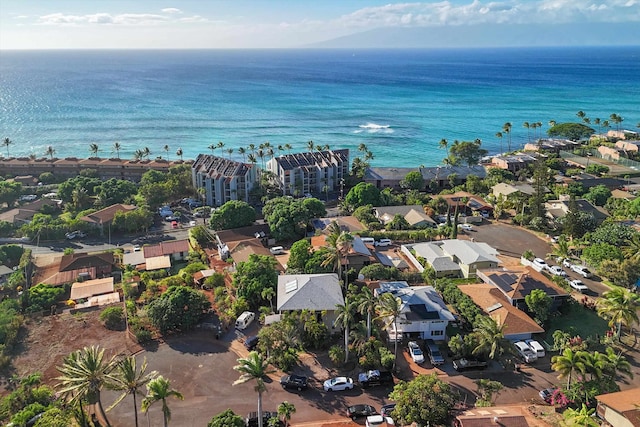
<point>400,103</point>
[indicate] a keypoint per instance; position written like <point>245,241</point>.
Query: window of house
<point>437,333</point>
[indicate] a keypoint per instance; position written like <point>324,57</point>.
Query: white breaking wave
<point>374,128</point>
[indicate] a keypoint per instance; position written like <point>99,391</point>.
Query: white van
<point>276,250</point>
<point>245,320</point>
<point>383,242</point>
<point>537,348</point>
<point>368,240</point>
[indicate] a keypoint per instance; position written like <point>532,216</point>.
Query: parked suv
<point>525,351</point>
<point>434,352</point>
<point>581,270</point>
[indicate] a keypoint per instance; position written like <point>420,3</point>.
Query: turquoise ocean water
<point>400,103</point>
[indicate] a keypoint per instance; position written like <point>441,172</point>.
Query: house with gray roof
<point>413,214</point>
<point>423,312</point>
<point>383,177</point>
<point>557,209</point>
<point>319,293</point>
<point>453,258</point>
<point>506,189</point>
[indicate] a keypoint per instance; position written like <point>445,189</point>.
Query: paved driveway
<point>508,239</point>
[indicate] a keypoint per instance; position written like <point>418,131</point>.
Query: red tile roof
<point>106,215</point>
<point>166,248</point>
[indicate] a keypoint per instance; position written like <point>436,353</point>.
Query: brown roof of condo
<point>107,214</point>
<point>217,167</point>
<point>312,158</point>
<point>166,248</point>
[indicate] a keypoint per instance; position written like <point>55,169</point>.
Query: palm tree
<point>129,380</point>
<point>252,148</point>
<point>620,306</point>
<point>288,147</point>
<point>147,152</point>
<point>506,128</point>
<point>527,126</point>
<point>260,153</point>
<point>253,367</point>
<point>631,249</point>
<point>567,363</point>
<point>84,373</point>
<point>212,147</point>
<point>389,308</point>
<point>491,338</point>
<point>345,317</point>
<point>50,152</point>
<point>581,115</point>
<point>615,364</point>
<point>179,153</point>
<point>367,306</point>
<point>243,152</point>
<point>268,294</point>
<point>285,411</point>
<point>444,144</point>
<point>615,118</point>
<point>499,135</point>
<point>7,142</point>
<point>93,149</point>
<point>117,147</point>
<point>251,158</point>
<point>220,145</point>
<point>270,152</point>
<point>166,150</point>
<point>584,417</point>
<point>138,154</point>
<point>229,152</point>
<point>310,145</point>
<point>339,244</point>
<point>159,389</point>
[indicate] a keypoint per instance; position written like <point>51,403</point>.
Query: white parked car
<point>338,384</point>
<point>536,347</point>
<point>466,227</point>
<point>567,263</point>
<point>578,286</point>
<point>556,270</point>
<point>383,242</point>
<point>540,263</point>
<point>416,353</point>
<point>581,270</point>
<point>525,352</point>
<point>378,421</point>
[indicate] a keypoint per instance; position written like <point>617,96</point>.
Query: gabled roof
<point>505,416</point>
<point>107,214</point>
<point>80,261</point>
<point>244,249</point>
<point>473,202</point>
<point>314,159</point>
<point>4,270</point>
<point>391,211</point>
<point>314,292</point>
<point>415,217</point>
<point>507,189</point>
<point>517,282</point>
<point>559,208</point>
<point>418,302</point>
<point>470,252</point>
<point>218,167</point>
<point>495,305</point>
<point>89,288</point>
<point>166,248</point>
<point>624,403</point>
<point>433,253</point>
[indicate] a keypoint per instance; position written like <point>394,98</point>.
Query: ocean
<point>400,103</point>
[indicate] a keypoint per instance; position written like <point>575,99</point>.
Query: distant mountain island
<point>498,35</point>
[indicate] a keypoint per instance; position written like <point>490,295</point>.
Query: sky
<point>178,24</point>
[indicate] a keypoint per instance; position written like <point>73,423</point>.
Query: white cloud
<point>138,19</point>
<point>171,10</point>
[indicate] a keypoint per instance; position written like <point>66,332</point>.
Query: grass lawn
<point>577,320</point>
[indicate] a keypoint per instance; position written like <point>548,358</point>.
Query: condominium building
<point>310,172</point>
<point>223,179</point>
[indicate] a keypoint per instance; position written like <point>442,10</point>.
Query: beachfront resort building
<point>308,173</point>
<point>223,179</point>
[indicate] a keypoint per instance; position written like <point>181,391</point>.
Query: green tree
<point>367,306</point>
<point>567,363</point>
<point>287,217</point>
<point>254,275</point>
<point>490,336</point>
<point>253,368</point>
<point>128,379</point>
<point>113,318</point>
<point>42,297</point>
<point>488,391</point>
<point>379,272</point>
<point>179,308</point>
<point>137,220</point>
<point>598,195</point>
<point>362,194</point>
<point>285,411</point>
<point>413,181</point>
<point>9,192</point>
<point>338,245</point>
<point>571,131</point>
<point>7,142</point>
<point>345,316</point>
<point>93,149</point>
<point>596,253</point>
<point>233,214</point>
<point>389,308</point>
<point>83,375</point>
<point>620,307</point>
<point>299,255</point>
<point>583,417</point>
<point>468,152</point>
<point>314,207</point>
<point>539,303</point>
<point>425,400</point>
<point>114,191</point>
<point>226,418</point>
<point>398,223</point>
<point>159,390</point>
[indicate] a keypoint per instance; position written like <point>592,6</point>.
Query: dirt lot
<point>49,339</point>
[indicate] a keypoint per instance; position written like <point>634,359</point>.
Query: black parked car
<point>359,411</point>
<point>251,342</point>
<point>296,382</point>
